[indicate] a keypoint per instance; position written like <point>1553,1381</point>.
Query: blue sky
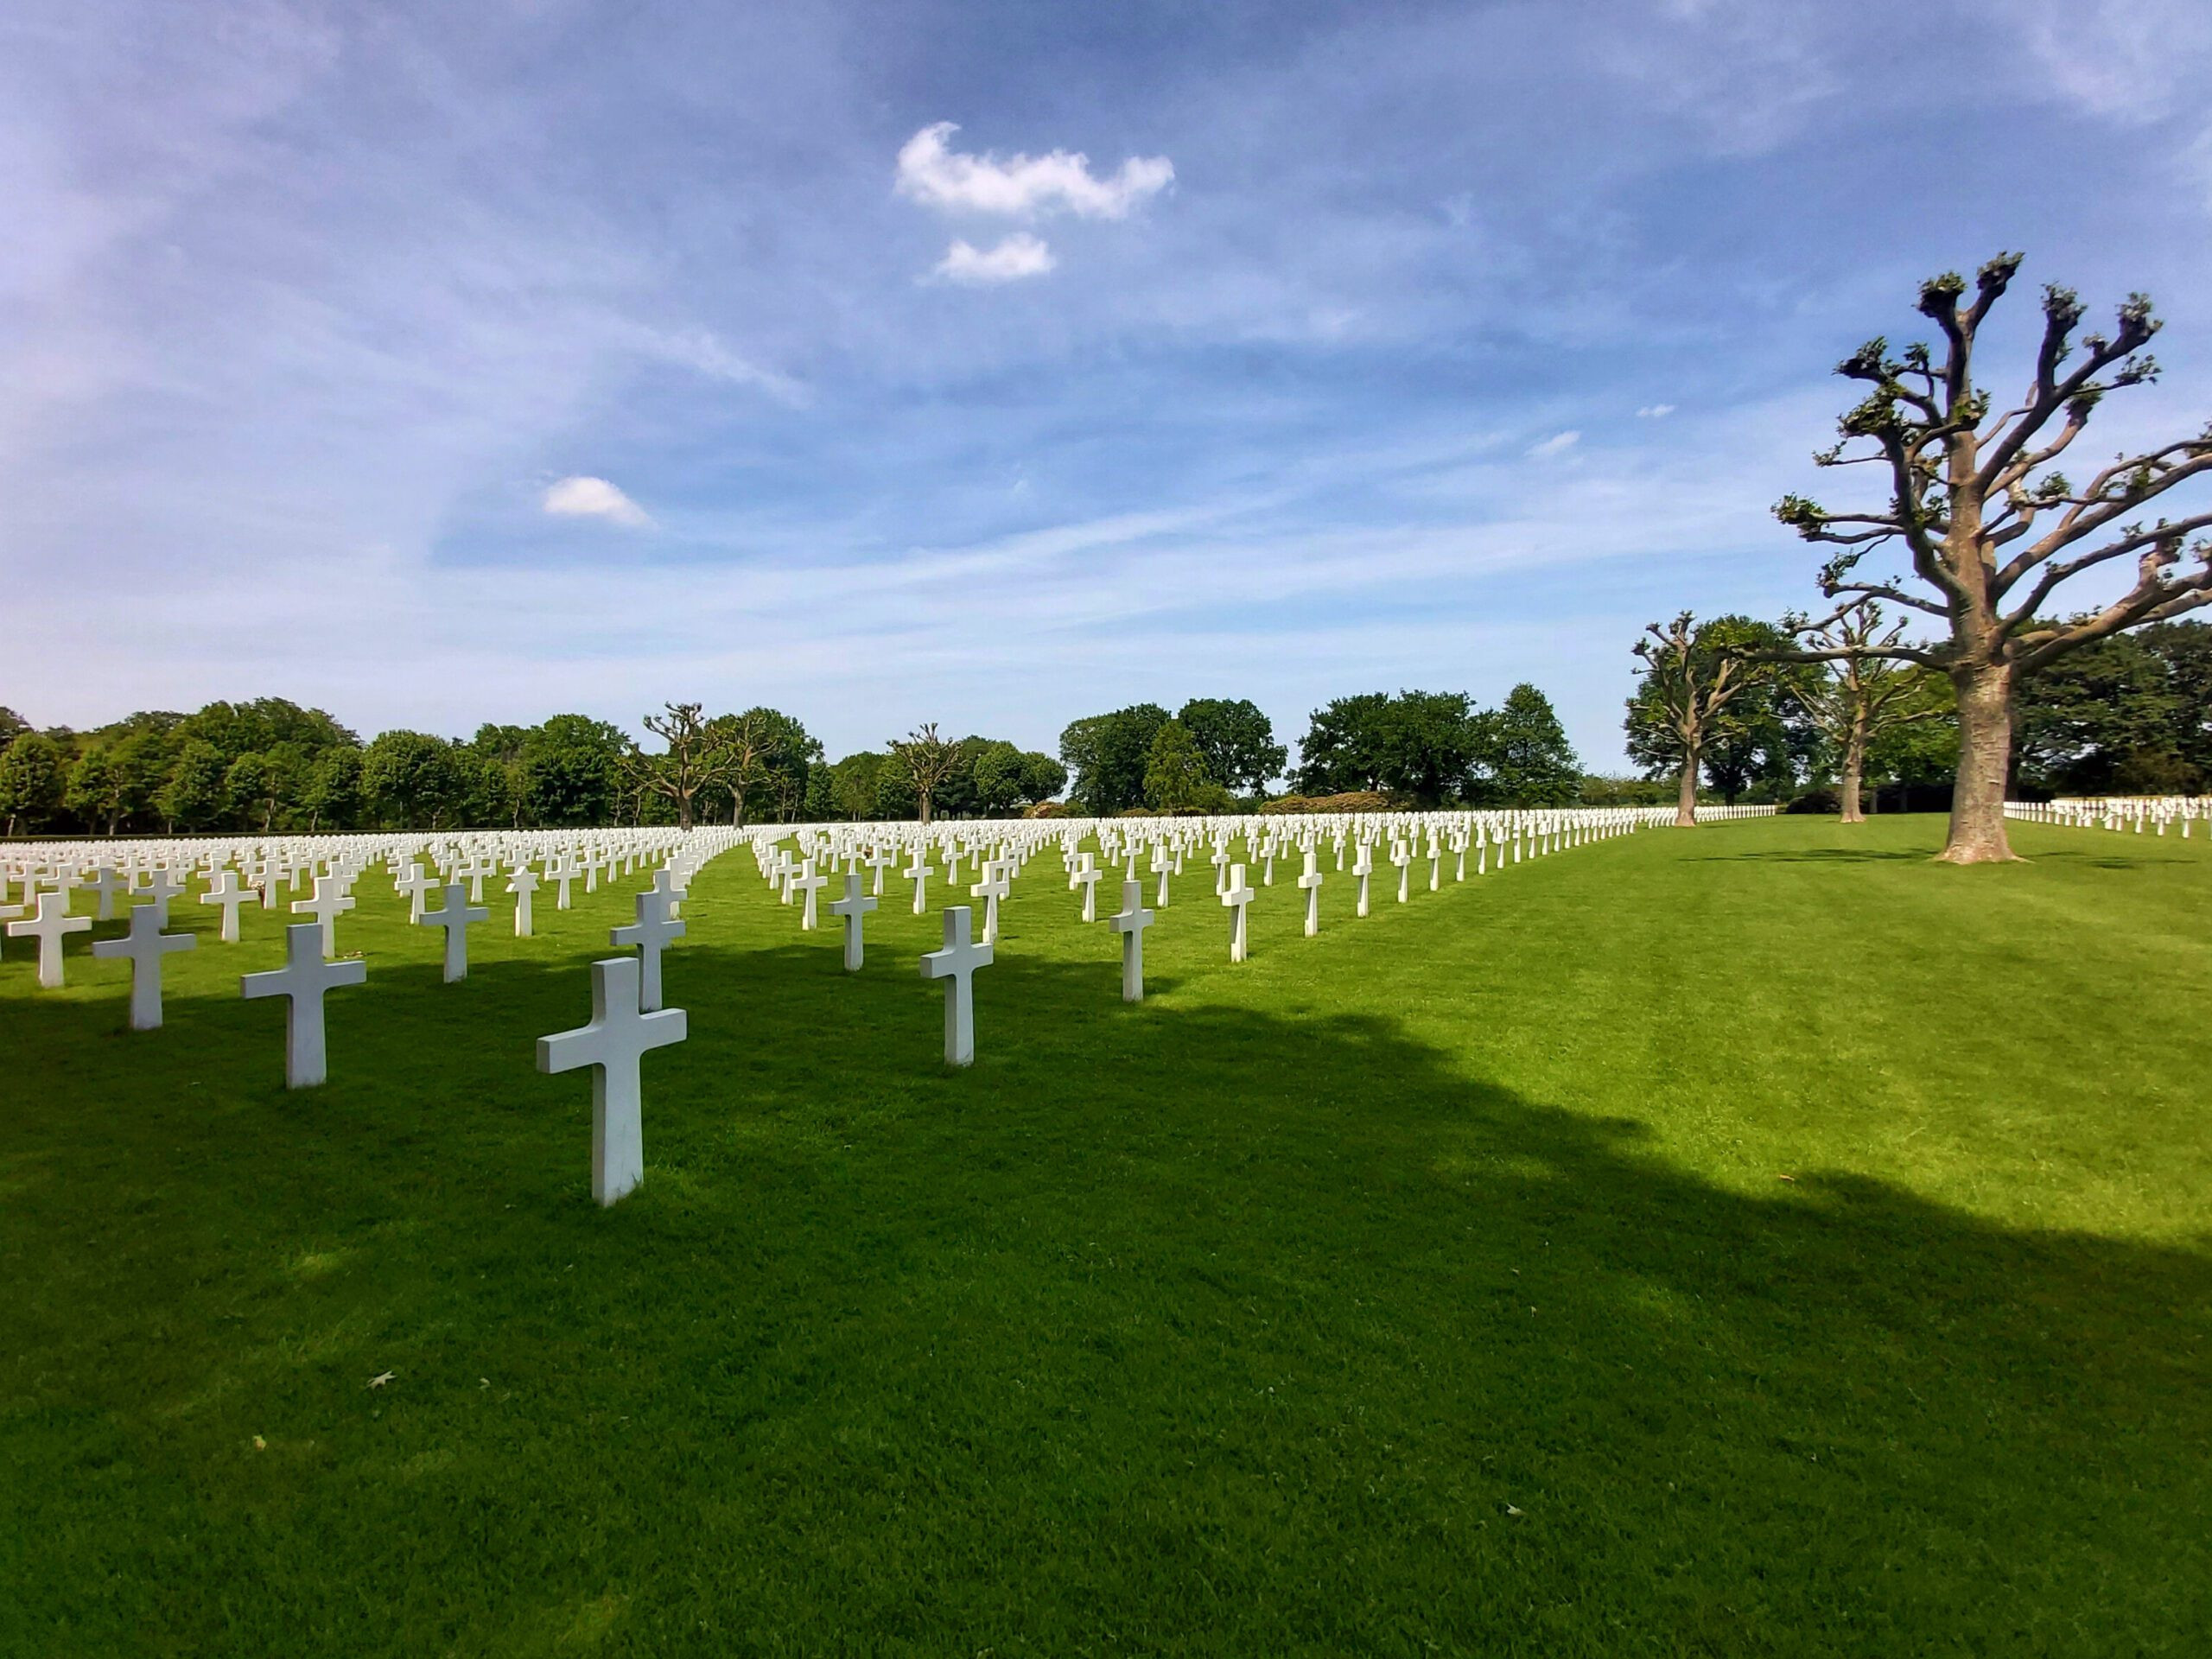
<point>443,363</point>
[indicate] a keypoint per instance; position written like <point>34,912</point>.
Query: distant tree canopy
<point>1435,748</point>
<point>2130,715</point>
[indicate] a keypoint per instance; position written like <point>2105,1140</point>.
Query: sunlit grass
<point>1759,1239</point>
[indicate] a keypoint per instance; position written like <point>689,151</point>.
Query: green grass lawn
<point>1752,1239</point>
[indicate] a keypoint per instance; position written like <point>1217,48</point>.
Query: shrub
<point>1815,800</point>
<point>1357,800</point>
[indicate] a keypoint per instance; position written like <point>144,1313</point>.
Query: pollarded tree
<point>927,760</point>
<point>693,759</point>
<point>1862,695</point>
<point>1992,529</point>
<point>1692,694</point>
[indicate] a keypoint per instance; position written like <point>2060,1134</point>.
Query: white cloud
<point>1655,411</point>
<point>1022,186</point>
<point>1019,255</point>
<point>1558,443</point>
<point>594,497</point>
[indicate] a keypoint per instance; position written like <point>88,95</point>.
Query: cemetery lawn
<point>1752,1239</point>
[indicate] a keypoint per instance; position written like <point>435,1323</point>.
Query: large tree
<point>1108,754</point>
<point>1526,755</point>
<point>1236,741</point>
<point>1991,528</point>
<point>1698,678</point>
<point>1860,695</point>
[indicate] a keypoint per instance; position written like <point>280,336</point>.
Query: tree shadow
<point>1162,1319</point>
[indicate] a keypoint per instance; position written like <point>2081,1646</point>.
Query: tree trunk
<point>922,799</point>
<point>1686,792</point>
<point>1854,768</point>
<point>1985,697</point>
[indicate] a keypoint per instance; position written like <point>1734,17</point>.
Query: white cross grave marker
<point>853,906</point>
<point>455,918</point>
<point>919,873</point>
<point>1311,880</point>
<point>51,920</point>
<point>1131,924</point>
<point>809,881</point>
<point>145,945</point>
<point>330,902</point>
<point>955,964</point>
<point>1086,877</point>
<point>652,933</point>
<point>303,980</point>
<point>230,895</point>
<point>522,881</point>
<point>1238,897</point>
<point>617,1036</point>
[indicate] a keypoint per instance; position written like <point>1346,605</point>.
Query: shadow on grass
<point>1165,1319</point>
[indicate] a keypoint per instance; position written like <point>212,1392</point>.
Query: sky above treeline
<point>1000,363</point>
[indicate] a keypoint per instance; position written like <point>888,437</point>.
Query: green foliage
<point>1175,777</point>
<point>2129,714</point>
<point>95,790</point>
<point>1757,743</point>
<point>1109,754</point>
<point>331,796</point>
<point>1236,741</point>
<point>33,781</point>
<point>195,797</point>
<point>1420,747</point>
<point>567,771</point>
<point>1525,756</point>
<point>412,781</point>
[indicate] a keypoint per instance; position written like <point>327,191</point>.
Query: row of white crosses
<point>998,850</point>
<point>2121,812</point>
<point>111,869</point>
<point>1159,846</point>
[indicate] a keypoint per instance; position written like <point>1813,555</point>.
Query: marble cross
<point>1086,877</point>
<point>852,907</point>
<point>955,964</point>
<point>230,895</point>
<point>522,882</point>
<point>330,902</point>
<point>1363,866</point>
<point>455,918</point>
<point>1130,924</point>
<point>652,933</point>
<point>51,921</point>
<point>616,1038</point>
<point>809,881</point>
<point>414,883</point>
<point>994,886</point>
<point>1238,897</point>
<point>302,981</point>
<point>107,881</point>
<point>1311,880</point>
<point>162,885</point>
<point>919,873</point>
<point>144,946</point>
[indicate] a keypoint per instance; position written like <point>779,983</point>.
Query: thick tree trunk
<point>1854,769</point>
<point>1686,792</point>
<point>1985,697</point>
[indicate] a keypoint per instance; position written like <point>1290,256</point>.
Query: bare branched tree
<point>1991,528</point>
<point>929,761</point>
<point>692,761</point>
<point>1693,672</point>
<point>1862,694</point>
